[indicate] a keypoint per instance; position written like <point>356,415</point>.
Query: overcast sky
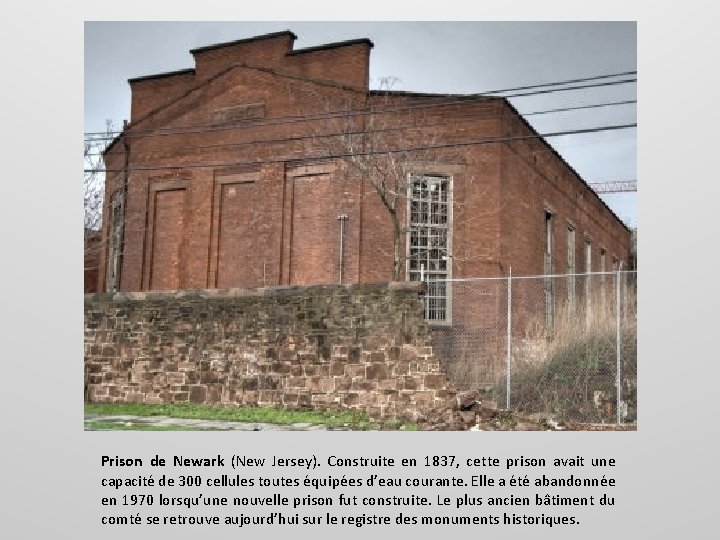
<point>447,57</point>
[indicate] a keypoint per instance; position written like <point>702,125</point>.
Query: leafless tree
<point>94,177</point>
<point>93,195</point>
<point>387,144</point>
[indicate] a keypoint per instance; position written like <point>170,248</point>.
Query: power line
<point>440,100</point>
<point>559,83</point>
<point>594,106</point>
<point>581,87</point>
<point>204,128</point>
<point>372,131</point>
<point>372,152</point>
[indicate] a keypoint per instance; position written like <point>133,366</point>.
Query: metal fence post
<point>617,345</point>
<point>509,337</point>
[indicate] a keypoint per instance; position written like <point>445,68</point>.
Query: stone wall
<point>320,347</point>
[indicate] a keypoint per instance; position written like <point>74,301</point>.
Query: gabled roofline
<point>187,71</point>
<point>562,160</point>
<point>272,35</point>
<point>205,82</point>
<point>335,45</point>
<point>245,40</point>
<point>517,113</point>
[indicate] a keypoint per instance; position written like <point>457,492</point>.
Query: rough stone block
<point>466,400</point>
<point>410,383</point>
<point>256,346</point>
<point>337,369</point>
<point>297,382</point>
<point>363,384</point>
<point>423,398</point>
<point>377,371</point>
<point>198,394</point>
<point>304,400</point>
<point>355,370</point>
<point>296,370</point>
<point>342,384</point>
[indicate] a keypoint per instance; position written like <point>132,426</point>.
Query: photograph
<point>360,226</point>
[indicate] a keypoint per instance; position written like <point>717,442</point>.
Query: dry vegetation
<point>572,371</point>
<point>568,372</point>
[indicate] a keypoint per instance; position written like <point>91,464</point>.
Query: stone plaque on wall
<point>239,113</point>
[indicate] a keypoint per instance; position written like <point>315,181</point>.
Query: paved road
<point>207,425</point>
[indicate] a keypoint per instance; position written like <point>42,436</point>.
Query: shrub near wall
<point>321,347</point>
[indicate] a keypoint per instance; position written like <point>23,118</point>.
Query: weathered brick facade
<point>91,256</point>
<point>229,185</point>
<point>240,173</point>
<point>361,347</point>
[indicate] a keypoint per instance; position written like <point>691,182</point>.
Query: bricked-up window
<point>588,255</point>
<point>571,268</point>
<point>429,242</point>
<point>602,278</point>
<point>548,270</point>
<point>117,205</point>
<point>588,279</point>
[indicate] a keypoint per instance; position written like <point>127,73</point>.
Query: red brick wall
<point>315,231</point>
<point>264,53</point>
<point>169,224</point>
<point>236,217</point>
<point>91,260</point>
<point>149,94</point>
<point>535,180</point>
<point>282,228</point>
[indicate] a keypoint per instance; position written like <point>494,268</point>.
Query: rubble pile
<point>473,412</point>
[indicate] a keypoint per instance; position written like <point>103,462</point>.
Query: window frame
<point>548,282</point>
<point>429,226</point>
<point>571,245</point>
<point>116,223</point>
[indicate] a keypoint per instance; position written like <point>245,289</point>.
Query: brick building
<point>91,255</point>
<point>256,168</point>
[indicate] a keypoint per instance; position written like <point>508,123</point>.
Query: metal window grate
<point>429,217</point>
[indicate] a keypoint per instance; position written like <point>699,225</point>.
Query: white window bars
<point>429,236</point>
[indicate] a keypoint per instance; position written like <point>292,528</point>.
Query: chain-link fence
<point>559,344</point>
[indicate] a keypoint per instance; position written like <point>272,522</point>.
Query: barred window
<point>429,242</point>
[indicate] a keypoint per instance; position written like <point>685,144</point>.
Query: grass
<point>577,361</point>
<point>355,420</point>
